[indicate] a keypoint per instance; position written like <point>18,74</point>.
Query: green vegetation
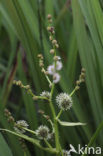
<point>23,35</point>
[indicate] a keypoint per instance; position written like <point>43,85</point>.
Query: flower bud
<point>54,42</point>
<point>77,87</point>
<point>50,38</point>
<point>52,51</point>
<point>57,45</point>
<point>49,16</point>
<point>43,132</point>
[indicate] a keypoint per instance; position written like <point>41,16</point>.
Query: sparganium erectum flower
<point>59,65</point>
<point>19,125</point>
<point>45,94</point>
<point>43,132</point>
<point>64,101</point>
<point>51,69</point>
<point>56,78</point>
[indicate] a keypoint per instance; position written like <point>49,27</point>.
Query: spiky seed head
<point>64,101</point>
<point>43,132</point>
<point>45,94</point>
<point>19,125</point>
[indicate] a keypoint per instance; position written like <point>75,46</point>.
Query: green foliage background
<point>79,31</point>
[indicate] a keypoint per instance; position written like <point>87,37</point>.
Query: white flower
<point>59,65</point>
<point>56,78</point>
<point>20,125</point>
<point>66,153</point>
<point>43,132</point>
<point>45,94</point>
<point>64,101</point>
<point>51,69</point>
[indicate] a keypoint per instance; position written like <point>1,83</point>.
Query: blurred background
<point>23,35</point>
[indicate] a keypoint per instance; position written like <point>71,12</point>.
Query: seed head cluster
<point>9,116</point>
<point>57,64</point>
<point>81,79</point>
<point>43,132</point>
<point>45,94</point>
<point>19,125</point>
<point>64,101</point>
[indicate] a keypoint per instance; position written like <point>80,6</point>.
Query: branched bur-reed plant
<point>64,102</point>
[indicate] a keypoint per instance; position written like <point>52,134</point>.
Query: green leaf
<point>95,135</point>
<point>4,149</point>
<point>64,123</point>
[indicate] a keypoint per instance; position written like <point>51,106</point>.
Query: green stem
<point>24,153</point>
<point>41,97</point>
<point>29,130</point>
<point>73,92</point>
<point>50,83</point>
<point>29,91</point>
<point>47,143</point>
<point>59,114</point>
<point>58,147</point>
<point>94,137</point>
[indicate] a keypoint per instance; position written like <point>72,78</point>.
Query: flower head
<point>43,132</point>
<point>64,101</point>
<point>51,69</point>
<point>20,125</point>
<point>56,78</point>
<point>45,94</point>
<point>59,65</point>
<point>66,153</point>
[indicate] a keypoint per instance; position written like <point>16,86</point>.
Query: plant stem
<point>73,92</point>
<point>24,153</point>
<point>50,83</point>
<point>59,114</point>
<point>47,143</point>
<point>94,137</point>
<point>33,132</point>
<point>58,147</point>
<point>41,97</point>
